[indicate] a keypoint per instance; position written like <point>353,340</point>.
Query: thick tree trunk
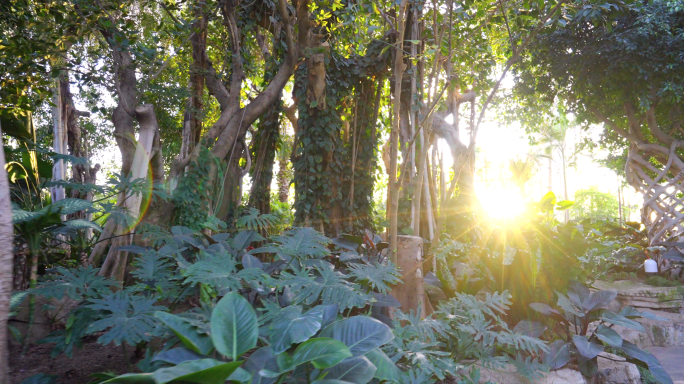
<point>192,121</point>
<point>6,267</point>
<point>116,261</point>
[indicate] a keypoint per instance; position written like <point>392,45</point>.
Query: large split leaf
<point>234,327</point>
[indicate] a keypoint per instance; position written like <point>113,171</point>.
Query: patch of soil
<point>92,358</point>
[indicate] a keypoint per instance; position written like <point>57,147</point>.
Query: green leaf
<point>380,277</point>
<point>321,352</point>
<point>608,336</point>
<point>187,333</point>
<point>21,216</point>
<point>588,349</point>
<point>599,299</point>
<point>291,327</point>
<point>70,206</point>
<point>82,224</point>
<point>558,355</point>
<point>358,370</point>
<point>651,361</point>
<point>205,371</point>
<point>177,355</point>
<point>234,326</point>
<point>360,333</point>
<point>564,204</point>
<point>616,319</point>
<point>313,104</point>
<point>262,359</point>
<point>387,370</point>
<point>530,328</point>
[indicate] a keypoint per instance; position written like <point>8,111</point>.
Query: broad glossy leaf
<point>358,370</point>
<point>177,356</point>
<point>240,375</point>
<point>234,327</point>
<point>598,300</point>
<point>330,381</point>
<point>321,352</point>
<point>387,370</point>
<point>360,333</point>
<point>577,293</point>
<point>558,355</point>
<point>329,314</point>
<point>650,360</point>
<point>588,367</point>
<point>205,371</point>
<point>244,238</point>
<point>609,336</point>
<point>69,206</point>
<point>588,349</point>
<point>187,333</point>
<point>291,326</point>
<point>616,319</point>
<point>262,359</point>
<point>82,224</point>
<point>249,261</point>
<point>567,305</point>
<point>632,313</point>
<point>548,311</point>
<point>530,328</point>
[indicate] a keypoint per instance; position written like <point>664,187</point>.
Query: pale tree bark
<point>399,68</point>
<point>6,265</point>
<point>59,142</point>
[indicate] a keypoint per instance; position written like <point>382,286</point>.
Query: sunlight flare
<point>501,203</point>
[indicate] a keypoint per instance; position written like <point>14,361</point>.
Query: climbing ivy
<point>195,191</point>
<point>323,159</point>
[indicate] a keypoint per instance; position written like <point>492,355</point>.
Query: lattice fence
<point>662,189</point>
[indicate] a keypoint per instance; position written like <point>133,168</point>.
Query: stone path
<point>672,359</point>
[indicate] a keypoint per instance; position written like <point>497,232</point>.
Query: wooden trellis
<point>663,209</point>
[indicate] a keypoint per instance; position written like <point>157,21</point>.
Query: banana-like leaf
<point>234,326</point>
<point>177,356</point>
<point>387,370</point>
<point>205,371</point>
<point>321,352</point>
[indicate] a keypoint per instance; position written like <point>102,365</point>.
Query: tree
<point>628,75</point>
<point>595,205</point>
<point>6,264</point>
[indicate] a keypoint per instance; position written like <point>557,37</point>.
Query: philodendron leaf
<point>205,371</point>
<point>609,336</point>
<point>651,361</point>
<point>359,333</point>
<point>548,311</point>
<point>321,352</point>
<point>358,370</point>
<point>291,326</point>
<point>387,370</point>
<point>598,300</point>
<point>567,305</point>
<point>588,349</point>
<point>186,332</point>
<point>558,355</point>
<point>530,328</point>
<point>234,326</point>
<point>616,319</point>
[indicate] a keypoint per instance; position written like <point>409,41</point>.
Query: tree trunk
<point>6,268</point>
<point>116,261</point>
<point>59,141</point>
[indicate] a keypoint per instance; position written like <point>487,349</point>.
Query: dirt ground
<point>92,358</point>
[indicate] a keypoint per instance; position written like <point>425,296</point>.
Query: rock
<point>613,369</point>
<point>435,294</point>
<point>508,375</point>
<point>640,295</point>
<point>658,333</point>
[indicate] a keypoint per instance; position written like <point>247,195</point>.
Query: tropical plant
<point>585,331</point>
